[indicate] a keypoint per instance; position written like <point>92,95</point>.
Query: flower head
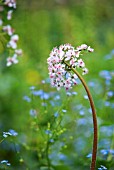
<point>19,52</point>
<point>13,41</point>
<point>8,29</point>
<point>9,14</point>
<point>10,3</point>
<point>12,60</point>
<point>59,72</point>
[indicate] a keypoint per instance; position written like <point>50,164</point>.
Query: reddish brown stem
<point>95,138</point>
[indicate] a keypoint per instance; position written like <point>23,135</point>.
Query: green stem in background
<point>95,138</point>
<point>47,154</point>
<point>2,140</point>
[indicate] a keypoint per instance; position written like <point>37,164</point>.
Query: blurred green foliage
<point>41,25</point>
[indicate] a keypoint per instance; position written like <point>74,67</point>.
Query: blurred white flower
<point>13,41</point>
<point>18,51</point>
<point>9,15</point>
<point>10,3</point>
<point>81,63</point>
<point>1,22</point>
<point>8,29</point>
<point>6,134</point>
<point>15,38</point>
<point>82,47</point>
<point>90,49</point>
<point>12,60</point>
<point>85,71</point>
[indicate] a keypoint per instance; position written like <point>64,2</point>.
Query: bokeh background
<point>42,25</point>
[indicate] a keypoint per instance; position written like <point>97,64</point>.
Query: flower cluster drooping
<point>14,52</point>
<point>59,72</point>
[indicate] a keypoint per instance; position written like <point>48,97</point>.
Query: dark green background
<point>41,25</point>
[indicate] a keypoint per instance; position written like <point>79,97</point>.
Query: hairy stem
<point>95,138</point>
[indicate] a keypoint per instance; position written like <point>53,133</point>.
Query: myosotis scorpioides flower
<point>63,63</point>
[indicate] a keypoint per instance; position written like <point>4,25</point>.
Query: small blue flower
<point>105,74</point>
<point>89,155</point>
<point>45,96</point>
<point>62,157</point>
<point>64,111</point>
<point>74,93</point>
<point>33,112</point>
<point>57,97</point>
<point>110,93</point>
<point>52,103</point>
<point>37,92</point>
<point>51,140</point>
<point>107,82</point>
<point>90,110</point>
<point>108,57</point>
<point>47,132</point>
<point>41,93</point>
<point>112,52</point>
<point>86,97</point>
<point>32,88</point>
<point>112,105</point>
<point>81,112</point>
<point>107,103</point>
<point>44,104</point>
<point>91,84</point>
<point>56,114</point>
<point>13,132</point>
<point>26,98</point>
<point>43,81</point>
<point>81,121</point>
<point>112,152</point>
<point>104,152</point>
<point>68,93</point>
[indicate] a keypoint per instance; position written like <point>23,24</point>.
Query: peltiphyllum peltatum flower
<point>60,73</point>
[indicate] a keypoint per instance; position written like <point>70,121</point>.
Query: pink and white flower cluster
<point>10,3</point>
<point>12,44</point>
<point>60,74</point>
